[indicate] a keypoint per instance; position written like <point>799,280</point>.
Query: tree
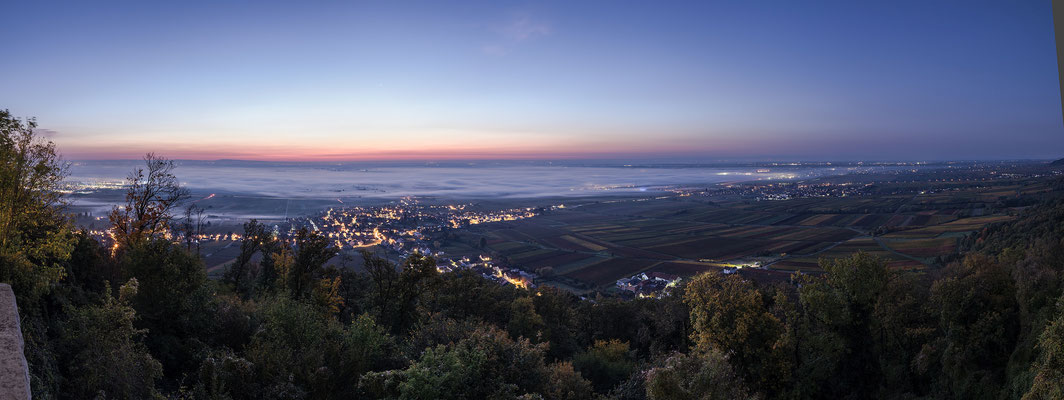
<point>367,347</point>
<point>978,328</point>
<point>729,314</point>
<point>292,349</point>
<point>152,194</point>
<point>90,266</point>
<point>234,321</point>
<point>664,324</point>
<point>302,350</point>
<point>174,302</point>
<point>556,307</point>
<point>256,239</point>
<point>606,363</point>
<point>524,321</point>
<point>226,375</point>
<point>485,364</point>
<point>326,293</point>
<point>705,376</point>
<point>438,329</point>
<point>1037,271</point>
<point>105,356</point>
<point>35,236</point>
<point>566,384</point>
<point>192,226</point>
<point>839,335</point>
<point>396,293</point>
<point>465,294</point>
<point>905,322</point>
<point>613,318</point>
<point>1049,369</point>
<point>276,261</point>
<point>313,250</point>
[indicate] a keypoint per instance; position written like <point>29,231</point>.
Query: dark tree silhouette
<point>152,195</point>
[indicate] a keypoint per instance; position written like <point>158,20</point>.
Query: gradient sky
<point>347,80</point>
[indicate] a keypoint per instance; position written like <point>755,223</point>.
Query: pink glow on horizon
<point>576,150</point>
<point>383,155</point>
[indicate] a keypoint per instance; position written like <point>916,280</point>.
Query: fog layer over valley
<point>447,180</point>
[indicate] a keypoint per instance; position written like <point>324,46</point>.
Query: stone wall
<point>14,374</point>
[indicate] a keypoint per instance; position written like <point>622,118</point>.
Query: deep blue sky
<point>497,79</point>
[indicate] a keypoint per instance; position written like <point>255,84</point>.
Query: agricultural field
<point>593,253</point>
<point>810,264</point>
<point>685,268</point>
<point>924,248</point>
<point>952,228</point>
<point>590,245</point>
<point>606,272</point>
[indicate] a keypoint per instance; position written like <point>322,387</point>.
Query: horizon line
<point>670,160</point>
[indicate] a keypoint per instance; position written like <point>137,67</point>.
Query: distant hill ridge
<point>1058,162</point>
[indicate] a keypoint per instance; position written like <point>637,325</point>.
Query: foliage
<point>650,326</point>
<point>838,350</point>
<point>566,383</point>
<point>465,294</point>
<point>729,315</point>
<point>1049,370</point>
<point>486,364</point>
<point>35,237</point>
<point>301,349</point>
<point>174,303</point>
<point>705,376</point>
<point>978,324</point>
<point>151,196</point>
<point>256,239</point>
<point>606,363</point>
<point>558,310</point>
<point>313,250</point>
<point>524,321</point>
<point>103,353</point>
<point>225,375</point>
<point>396,293</point>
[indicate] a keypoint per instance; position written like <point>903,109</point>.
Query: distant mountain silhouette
<point>1058,162</point>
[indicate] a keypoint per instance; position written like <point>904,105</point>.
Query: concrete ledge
<point>14,373</point>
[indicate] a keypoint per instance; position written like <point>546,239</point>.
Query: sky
<point>437,80</point>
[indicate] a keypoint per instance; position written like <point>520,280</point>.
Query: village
<point>409,226</point>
